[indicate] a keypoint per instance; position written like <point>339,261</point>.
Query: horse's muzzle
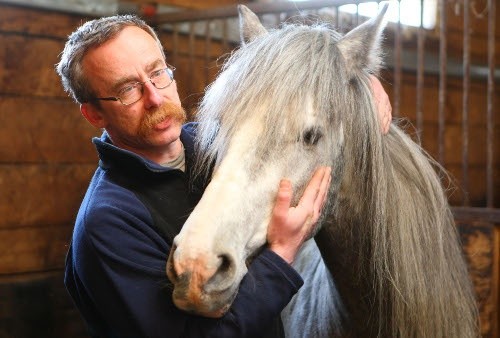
<point>203,285</point>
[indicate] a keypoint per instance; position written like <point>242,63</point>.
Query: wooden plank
<point>34,249</point>
<point>38,22</point>
<point>44,130</point>
<point>477,185</point>
<point>257,7</point>
<point>198,4</point>
<point>193,69</point>
<point>496,279</point>
<point>182,47</point>
<point>453,143</point>
<point>430,98</point>
<point>190,97</point>
<point>481,252</point>
<point>38,305</point>
<point>27,66</point>
<point>478,24</point>
<point>467,214</point>
<point>41,194</point>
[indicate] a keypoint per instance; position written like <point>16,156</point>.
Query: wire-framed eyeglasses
<point>161,79</point>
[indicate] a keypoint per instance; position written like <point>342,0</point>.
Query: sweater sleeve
<point>116,275</point>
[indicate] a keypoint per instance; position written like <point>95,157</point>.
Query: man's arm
<point>118,265</point>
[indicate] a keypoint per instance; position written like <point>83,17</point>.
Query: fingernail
<point>284,184</point>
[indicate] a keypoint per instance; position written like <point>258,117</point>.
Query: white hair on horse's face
<point>294,101</point>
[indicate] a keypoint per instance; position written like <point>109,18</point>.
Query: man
<point>139,197</point>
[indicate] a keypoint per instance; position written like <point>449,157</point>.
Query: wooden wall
<point>47,159</point>
<point>197,63</point>
<point>452,137</point>
<point>480,235</point>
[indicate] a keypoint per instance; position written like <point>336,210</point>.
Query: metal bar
<point>208,51</point>
<point>420,71</point>
<point>357,14</point>
<point>257,8</point>
<point>489,107</point>
<point>465,103</point>
<point>89,8</point>
<point>191,51</point>
<point>278,19</point>
<point>337,22</point>
<point>442,80</point>
<point>487,215</point>
<point>225,36</point>
<point>397,65</point>
<point>454,67</point>
<point>175,44</point>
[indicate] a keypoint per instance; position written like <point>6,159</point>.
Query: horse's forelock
<point>295,68</point>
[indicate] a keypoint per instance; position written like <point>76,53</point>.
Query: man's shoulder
<point>188,132</point>
<point>188,135</point>
<point>190,128</point>
<point>107,200</point>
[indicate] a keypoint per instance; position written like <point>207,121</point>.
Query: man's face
<point>153,122</point>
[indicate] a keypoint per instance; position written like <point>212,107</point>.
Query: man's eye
<point>127,90</point>
<point>156,73</point>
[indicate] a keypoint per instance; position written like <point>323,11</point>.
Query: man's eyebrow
<point>155,65</point>
<point>132,79</point>
<point>129,79</point>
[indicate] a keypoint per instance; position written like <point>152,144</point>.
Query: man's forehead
<point>127,43</point>
<point>132,51</point>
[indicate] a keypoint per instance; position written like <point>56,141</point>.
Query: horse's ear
<point>361,46</point>
<point>250,26</point>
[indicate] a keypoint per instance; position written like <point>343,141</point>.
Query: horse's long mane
<point>390,241</point>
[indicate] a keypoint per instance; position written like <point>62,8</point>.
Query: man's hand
<point>292,226</point>
<point>383,104</point>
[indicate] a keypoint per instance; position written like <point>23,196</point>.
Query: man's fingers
<point>291,226</point>
<point>283,199</point>
<point>320,201</point>
<point>388,117</point>
<point>384,108</point>
<point>325,185</point>
<point>313,188</point>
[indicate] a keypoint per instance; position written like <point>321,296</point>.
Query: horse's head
<point>281,107</point>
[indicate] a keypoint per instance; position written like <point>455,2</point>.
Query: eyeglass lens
<point>160,79</point>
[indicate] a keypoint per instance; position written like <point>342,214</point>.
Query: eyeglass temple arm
<point>107,98</point>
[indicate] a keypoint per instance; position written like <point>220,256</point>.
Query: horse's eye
<point>312,136</point>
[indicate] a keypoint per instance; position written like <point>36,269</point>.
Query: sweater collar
<point>111,156</point>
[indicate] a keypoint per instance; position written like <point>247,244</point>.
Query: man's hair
<point>90,35</point>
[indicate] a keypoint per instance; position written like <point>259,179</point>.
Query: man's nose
<point>152,96</point>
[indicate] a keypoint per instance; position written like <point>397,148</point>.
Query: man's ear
<point>93,115</point>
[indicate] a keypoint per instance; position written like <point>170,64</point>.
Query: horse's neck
<point>316,310</point>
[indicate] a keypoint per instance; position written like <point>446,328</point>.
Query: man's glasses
<point>161,79</point>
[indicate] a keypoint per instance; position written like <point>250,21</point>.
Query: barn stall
<point>440,77</point>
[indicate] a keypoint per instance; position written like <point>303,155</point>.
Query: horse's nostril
<point>225,264</point>
<point>223,276</point>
